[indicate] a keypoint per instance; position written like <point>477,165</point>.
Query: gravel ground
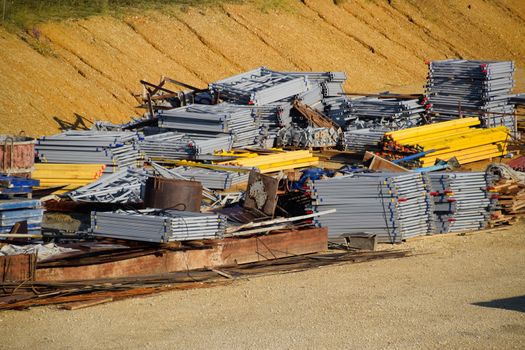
<point>453,294</point>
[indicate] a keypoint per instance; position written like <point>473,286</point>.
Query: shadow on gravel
<point>514,303</point>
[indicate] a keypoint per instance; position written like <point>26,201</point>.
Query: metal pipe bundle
<point>223,118</point>
<point>462,201</point>
<point>172,145</point>
<point>123,186</point>
<point>361,140</point>
<point>116,149</point>
<point>394,206</point>
<point>17,210</point>
<point>475,88</point>
<point>213,179</point>
<point>157,226</point>
<point>259,87</point>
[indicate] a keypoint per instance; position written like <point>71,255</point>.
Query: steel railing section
<point>392,206</point>
<point>124,186</point>
<point>463,201</point>
<point>115,149</point>
<point>474,88</point>
<point>157,226</point>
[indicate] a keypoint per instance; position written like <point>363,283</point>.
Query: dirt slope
<point>91,67</point>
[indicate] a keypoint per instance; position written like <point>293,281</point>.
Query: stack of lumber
<point>69,176</point>
<point>511,201</point>
<point>456,138</point>
<point>278,161</point>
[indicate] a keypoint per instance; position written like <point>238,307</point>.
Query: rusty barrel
<point>174,194</point>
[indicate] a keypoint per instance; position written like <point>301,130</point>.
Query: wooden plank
<point>381,164</point>
<point>222,252</point>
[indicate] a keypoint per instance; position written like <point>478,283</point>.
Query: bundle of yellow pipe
<point>456,138</point>
<point>278,161</point>
<point>72,176</point>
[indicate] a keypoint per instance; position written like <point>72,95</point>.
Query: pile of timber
<point>511,201</point>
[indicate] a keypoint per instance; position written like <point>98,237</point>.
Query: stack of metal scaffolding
<point>371,112</point>
<point>157,226</point>
<point>472,88</point>
<point>123,186</point>
<point>210,120</point>
<point>462,201</point>
<point>172,145</point>
<point>361,140</point>
<point>394,206</point>
<point>338,109</point>
<point>213,179</point>
<point>259,87</point>
<point>115,149</point>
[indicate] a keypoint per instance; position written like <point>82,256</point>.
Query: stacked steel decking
<point>361,140</point>
<point>172,145</point>
<point>473,88</point>
<point>212,120</point>
<point>462,201</point>
<point>157,226</point>
<point>115,149</point>
<point>213,179</point>
<point>392,206</point>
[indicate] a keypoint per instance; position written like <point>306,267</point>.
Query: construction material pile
<point>361,140</point>
<point>473,88</point>
<point>212,120</point>
<point>392,113</point>
<point>462,201</point>
<point>393,206</point>
<point>123,186</point>
<point>456,138</point>
<point>174,146</point>
<point>115,149</point>
<point>157,226</point>
<point>67,176</point>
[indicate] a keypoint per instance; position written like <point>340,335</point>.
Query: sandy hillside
<point>91,67</point>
